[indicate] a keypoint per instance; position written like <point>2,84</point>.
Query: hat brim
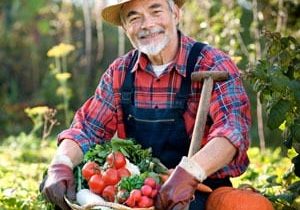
<point>111,14</point>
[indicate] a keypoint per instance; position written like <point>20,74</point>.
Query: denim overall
<point>161,129</point>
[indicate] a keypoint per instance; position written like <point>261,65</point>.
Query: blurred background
<point>29,29</point>
<point>53,53</point>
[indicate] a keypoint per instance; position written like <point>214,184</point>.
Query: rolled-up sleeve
<point>230,111</point>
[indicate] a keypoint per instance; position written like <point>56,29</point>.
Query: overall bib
<point>162,129</point>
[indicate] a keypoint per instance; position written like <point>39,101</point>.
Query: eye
<point>157,12</point>
<point>133,19</point>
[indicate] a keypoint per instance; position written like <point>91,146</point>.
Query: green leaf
<point>285,58</point>
<point>278,113</point>
<point>116,144</point>
<point>294,86</point>
<point>294,187</point>
<point>297,96</point>
<point>131,182</point>
<point>272,179</point>
<point>279,82</point>
<point>287,196</point>
<point>98,153</point>
<point>285,41</point>
<point>274,48</point>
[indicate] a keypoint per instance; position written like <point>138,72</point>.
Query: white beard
<point>152,48</point>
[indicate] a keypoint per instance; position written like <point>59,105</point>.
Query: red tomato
<point>109,193</point>
<point>110,176</point>
<point>136,195</point>
<point>151,182</point>
<point>146,190</point>
<point>145,202</point>
<point>116,160</point>
<point>96,184</point>
<point>89,169</point>
<point>123,172</point>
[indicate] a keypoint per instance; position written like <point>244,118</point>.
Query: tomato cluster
<point>143,198</point>
<point>104,180</point>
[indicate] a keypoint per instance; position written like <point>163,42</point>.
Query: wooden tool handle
<point>215,75</point>
<point>209,77</point>
<point>201,117</point>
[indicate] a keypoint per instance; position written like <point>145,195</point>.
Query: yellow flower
<point>61,91</point>
<point>236,59</point>
<point>63,76</point>
<point>38,110</point>
<point>60,50</point>
<point>282,127</point>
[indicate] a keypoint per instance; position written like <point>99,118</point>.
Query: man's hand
<point>59,182</point>
<point>177,192</point>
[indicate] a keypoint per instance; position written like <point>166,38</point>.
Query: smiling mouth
<point>150,35</point>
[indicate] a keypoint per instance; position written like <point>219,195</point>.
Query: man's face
<point>150,24</point>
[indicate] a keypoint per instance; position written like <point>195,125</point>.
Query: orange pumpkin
<point>229,198</point>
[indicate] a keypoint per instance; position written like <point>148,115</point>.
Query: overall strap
<point>186,82</point>
<point>127,90</point>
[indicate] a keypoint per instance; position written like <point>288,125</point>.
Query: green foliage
<point>132,182</point>
<point>134,152</point>
<point>215,23</point>
<point>29,28</point>
<point>278,112</point>
<point>269,173</point>
<point>272,175</point>
<point>21,169</point>
<point>277,78</point>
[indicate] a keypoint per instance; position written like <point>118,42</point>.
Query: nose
<point>147,22</point>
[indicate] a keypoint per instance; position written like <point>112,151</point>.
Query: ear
<point>124,27</point>
<point>176,13</point>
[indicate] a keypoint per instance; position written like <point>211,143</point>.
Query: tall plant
<point>277,78</point>
<point>59,69</point>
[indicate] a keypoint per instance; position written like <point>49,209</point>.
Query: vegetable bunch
<point>121,171</point>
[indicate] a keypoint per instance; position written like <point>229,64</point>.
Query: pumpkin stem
<point>248,187</point>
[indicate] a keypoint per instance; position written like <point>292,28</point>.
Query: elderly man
<point>148,95</point>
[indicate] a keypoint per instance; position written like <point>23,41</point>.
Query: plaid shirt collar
<point>179,62</point>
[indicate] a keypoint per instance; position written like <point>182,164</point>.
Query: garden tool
<point>208,78</point>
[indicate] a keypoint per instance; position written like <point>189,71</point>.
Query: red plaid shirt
<point>101,115</point>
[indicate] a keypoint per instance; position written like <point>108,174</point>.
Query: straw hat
<point>111,13</point>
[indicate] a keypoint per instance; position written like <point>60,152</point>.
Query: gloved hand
<point>177,192</point>
<point>59,182</point>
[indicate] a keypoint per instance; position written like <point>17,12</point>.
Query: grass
<point>23,161</point>
<point>24,158</point>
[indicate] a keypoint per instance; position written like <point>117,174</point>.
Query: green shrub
<point>272,174</point>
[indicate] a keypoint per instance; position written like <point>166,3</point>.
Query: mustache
<point>147,32</point>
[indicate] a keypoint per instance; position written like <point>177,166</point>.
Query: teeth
<point>146,33</point>
<point>149,35</point>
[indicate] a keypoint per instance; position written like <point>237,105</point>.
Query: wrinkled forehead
<point>140,6</point>
<point>141,3</point>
